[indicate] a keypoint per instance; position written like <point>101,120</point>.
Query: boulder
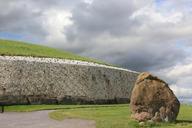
<point>152,99</point>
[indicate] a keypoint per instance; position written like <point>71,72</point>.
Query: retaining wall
<point>27,80</point>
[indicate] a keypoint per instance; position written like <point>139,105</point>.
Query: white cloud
<point>180,79</point>
<point>184,94</point>
<point>181,70</point>
<point>54,23</point>
<point>151,14</point>
<point>88,1</point>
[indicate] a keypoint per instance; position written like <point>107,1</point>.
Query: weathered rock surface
<point>152,99</point>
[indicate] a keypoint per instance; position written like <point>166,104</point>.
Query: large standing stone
<point>152,99</point>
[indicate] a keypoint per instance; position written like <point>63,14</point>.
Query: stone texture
<point>142,116</point>
<point>36,82</point>
<point>152,99</point>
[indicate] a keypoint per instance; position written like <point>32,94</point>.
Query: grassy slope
<point>14,48</point>
<point>106,116</point>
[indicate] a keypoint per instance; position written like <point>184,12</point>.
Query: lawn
<point>31,108</point>
<point>16,48</point>
<point>106,116</point>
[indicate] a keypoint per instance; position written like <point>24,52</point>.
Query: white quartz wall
<point>28,80</point>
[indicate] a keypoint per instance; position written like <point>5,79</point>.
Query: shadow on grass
<point>184,121</point>
<point>31,109</point>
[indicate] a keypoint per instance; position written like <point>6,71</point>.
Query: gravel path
<point>40,119</point>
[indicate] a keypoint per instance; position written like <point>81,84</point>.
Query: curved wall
<point>27,80</point>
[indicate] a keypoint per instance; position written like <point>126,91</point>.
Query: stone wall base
<point>42,99</point>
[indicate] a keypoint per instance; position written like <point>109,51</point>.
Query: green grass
<point>106,116</point>
<point>16,48</point>
<point>31,108</point>
<point>119,117</point>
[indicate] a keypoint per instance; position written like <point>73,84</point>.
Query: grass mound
<point>15,48</point>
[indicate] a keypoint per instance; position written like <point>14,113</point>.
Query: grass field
<point>15,48</point>
<point>106,116</point>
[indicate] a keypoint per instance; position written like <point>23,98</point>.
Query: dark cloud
<point>151,58</point>
<point>106,30</point>
<point>44,4</point>
<point>19,17</point>
<point>102,16</point>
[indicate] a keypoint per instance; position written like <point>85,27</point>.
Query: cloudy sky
<point>150,35</point>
